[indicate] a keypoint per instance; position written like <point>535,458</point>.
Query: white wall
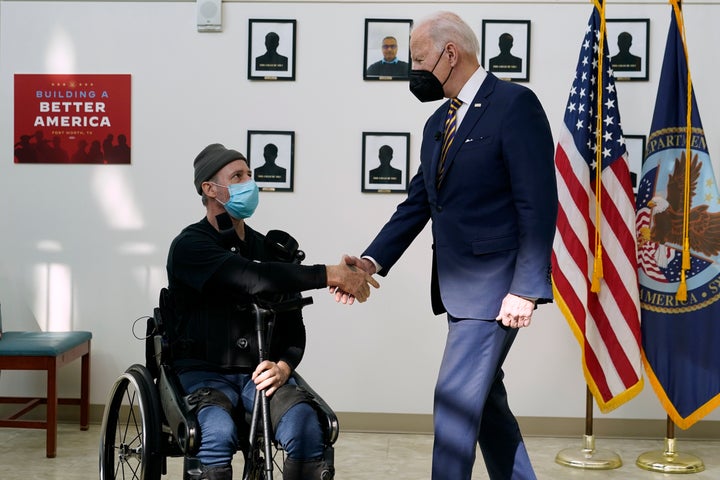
<point>84,247</point>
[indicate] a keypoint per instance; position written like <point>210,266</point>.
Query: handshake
<point>351,279</point>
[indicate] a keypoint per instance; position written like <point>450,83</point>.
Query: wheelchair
<point>148,418</point>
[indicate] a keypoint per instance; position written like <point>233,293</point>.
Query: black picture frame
<point>630,64</point>
<point>506,49</point>
<point>380,173</point>
<point>272,159</point>
<point>635,146</point>
<point>376,32</point>
<point>271,57</point>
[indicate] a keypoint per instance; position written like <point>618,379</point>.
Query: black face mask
<point>426,86</point>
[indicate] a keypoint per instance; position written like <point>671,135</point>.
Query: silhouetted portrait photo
<point>271,49</point>
<point>506,49</point>
<point>387,49</point>
<point>270,154</point>
<point>385,162</point>
<point>628,47</point>
<point>270,171</point>
<point>505,61</point>
<point>385,173</point>
<point>625,61</point>
<point>271,59</point>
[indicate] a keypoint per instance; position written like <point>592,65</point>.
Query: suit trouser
<point>471,405</point>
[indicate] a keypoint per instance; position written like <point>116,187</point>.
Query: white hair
<point>444,27</point>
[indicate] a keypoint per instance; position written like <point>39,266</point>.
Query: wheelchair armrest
<point>181,419</point>
<point>332,426</point>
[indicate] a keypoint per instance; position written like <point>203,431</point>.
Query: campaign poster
<point>73,119</point>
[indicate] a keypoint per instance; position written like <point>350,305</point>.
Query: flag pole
<point>588,456</point>
<point>669,460</point>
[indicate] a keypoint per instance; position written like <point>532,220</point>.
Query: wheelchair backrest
<point>157,350</point>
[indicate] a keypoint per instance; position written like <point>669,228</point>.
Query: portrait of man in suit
<point>387,52</point>
<point>390,65</point>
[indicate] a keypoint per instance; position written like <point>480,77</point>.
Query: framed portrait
<point>635,145</point>
<point>506,49</point>
<point>385,162</point>
<point>629,47</point>
<point>387,49</point>
<point>271,49</point>
<point>270,154</point>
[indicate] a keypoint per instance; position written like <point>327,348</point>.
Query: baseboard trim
<point>533,426</point>
<point>530,426</point>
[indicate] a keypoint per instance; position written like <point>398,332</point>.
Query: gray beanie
<point>208,162</point>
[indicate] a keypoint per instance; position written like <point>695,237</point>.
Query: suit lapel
<point>476,110</point>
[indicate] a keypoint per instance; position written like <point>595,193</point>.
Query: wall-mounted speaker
<point>209,15</point>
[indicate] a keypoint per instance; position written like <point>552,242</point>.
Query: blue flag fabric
<point>679,338</point>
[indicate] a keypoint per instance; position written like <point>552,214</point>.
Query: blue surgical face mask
<point>244,198</point>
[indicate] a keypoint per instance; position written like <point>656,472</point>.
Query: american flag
<point>605,322</point>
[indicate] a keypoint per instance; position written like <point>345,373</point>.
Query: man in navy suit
<point>493,211</point>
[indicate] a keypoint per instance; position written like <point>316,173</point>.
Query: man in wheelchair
<point>216,267</point>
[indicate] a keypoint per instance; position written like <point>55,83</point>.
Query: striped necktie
<point>450,128</point>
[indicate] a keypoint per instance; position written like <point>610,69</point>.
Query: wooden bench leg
<point>85,392</point>
<point>52,403</point>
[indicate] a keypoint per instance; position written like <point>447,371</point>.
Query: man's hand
<point>362,263</point>
<point>515,312</point>
<point>270,376</point>
<point>342,296</point>
<point>345,277</point>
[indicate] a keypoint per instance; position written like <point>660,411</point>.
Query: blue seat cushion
<point>40,344</point>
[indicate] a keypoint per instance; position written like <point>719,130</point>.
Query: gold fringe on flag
<point>681,294</point>
<point>597,264</point>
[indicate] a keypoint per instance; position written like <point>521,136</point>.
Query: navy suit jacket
<point>493,217</point>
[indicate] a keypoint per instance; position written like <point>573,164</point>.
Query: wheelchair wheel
<point>131,429</point>
<point>255,468</point>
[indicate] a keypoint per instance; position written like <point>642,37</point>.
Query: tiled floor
<point>359,456</point>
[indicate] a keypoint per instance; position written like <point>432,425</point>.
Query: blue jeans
<point>298,432</point>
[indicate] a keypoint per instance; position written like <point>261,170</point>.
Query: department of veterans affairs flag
<point>680,339</point>
<point>604,317</point>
